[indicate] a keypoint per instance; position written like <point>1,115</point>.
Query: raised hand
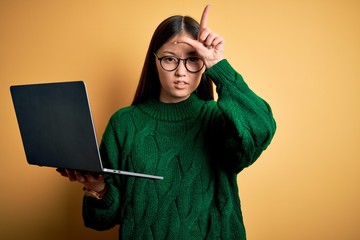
<point>209,45</point>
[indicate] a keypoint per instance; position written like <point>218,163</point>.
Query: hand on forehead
<point>178,39</point>
<point>176,46</point>
<point>182,47</point>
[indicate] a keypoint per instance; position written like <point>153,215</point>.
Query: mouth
<point>180,84</point>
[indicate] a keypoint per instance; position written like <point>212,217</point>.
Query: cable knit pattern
<point>199,147</point>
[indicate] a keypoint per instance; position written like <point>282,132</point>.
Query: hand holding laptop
<point>93,182</point>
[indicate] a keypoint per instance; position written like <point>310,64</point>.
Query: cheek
<point>196,80</point>
<point>164,77</point>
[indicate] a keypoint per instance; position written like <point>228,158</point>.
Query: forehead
<point>172,46</point>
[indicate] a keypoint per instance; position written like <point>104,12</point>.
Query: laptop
<point>57,128</point>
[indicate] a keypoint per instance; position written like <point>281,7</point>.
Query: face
<point>177,85</point>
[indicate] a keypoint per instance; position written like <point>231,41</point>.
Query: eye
<point>194,59</point>
<point>169,59</point>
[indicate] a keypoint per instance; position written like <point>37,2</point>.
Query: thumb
<point>189,41</point>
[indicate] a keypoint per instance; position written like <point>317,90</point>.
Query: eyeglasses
<point>192,64</point>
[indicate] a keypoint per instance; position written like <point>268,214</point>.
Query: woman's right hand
<point>209,45</point>
<point>91,181</point>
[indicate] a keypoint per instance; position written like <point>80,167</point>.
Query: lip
<point>180,84</point>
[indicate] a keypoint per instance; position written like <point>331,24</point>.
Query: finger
<point>95,182</point>
<point>193,44</point>
<point>204,17</point>
<point>207,38</point>
<point>218,42</point>
<point>71,175</point>
<point>188,41</point>
<point>213,40</point>
<point>203,34</point>
<point>62,171</point>
<point>80,176</point>
<point>94,177</point>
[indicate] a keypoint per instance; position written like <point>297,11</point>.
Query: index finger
<point>203,21</point>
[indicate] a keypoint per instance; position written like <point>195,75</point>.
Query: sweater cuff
<point>221,70</point>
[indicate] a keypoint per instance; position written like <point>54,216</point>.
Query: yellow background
<point>303,57</point>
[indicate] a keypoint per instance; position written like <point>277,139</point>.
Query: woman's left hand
<point>209,45</point>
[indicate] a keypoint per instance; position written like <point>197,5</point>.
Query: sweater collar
<point>172,111</point>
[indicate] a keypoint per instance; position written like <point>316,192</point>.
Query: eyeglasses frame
<point>178,63</point>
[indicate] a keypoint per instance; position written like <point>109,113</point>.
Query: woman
<point>175,129</point>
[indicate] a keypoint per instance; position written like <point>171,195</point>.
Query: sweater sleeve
<point>104,214</point>
<point>248,123</point>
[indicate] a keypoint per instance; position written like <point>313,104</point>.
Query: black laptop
<point>57,128</point>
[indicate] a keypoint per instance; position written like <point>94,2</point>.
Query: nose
<point>181,69</point>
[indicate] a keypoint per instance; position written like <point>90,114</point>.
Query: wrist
<point>211,63</point>
<point>95,194</point>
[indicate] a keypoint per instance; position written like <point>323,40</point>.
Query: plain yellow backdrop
<point>303,57</point>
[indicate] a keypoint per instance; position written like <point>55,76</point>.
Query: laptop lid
<point>56,125</point>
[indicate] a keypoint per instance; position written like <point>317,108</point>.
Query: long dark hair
<point>149,83</point>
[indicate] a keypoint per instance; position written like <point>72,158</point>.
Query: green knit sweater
<point>199,147</point>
